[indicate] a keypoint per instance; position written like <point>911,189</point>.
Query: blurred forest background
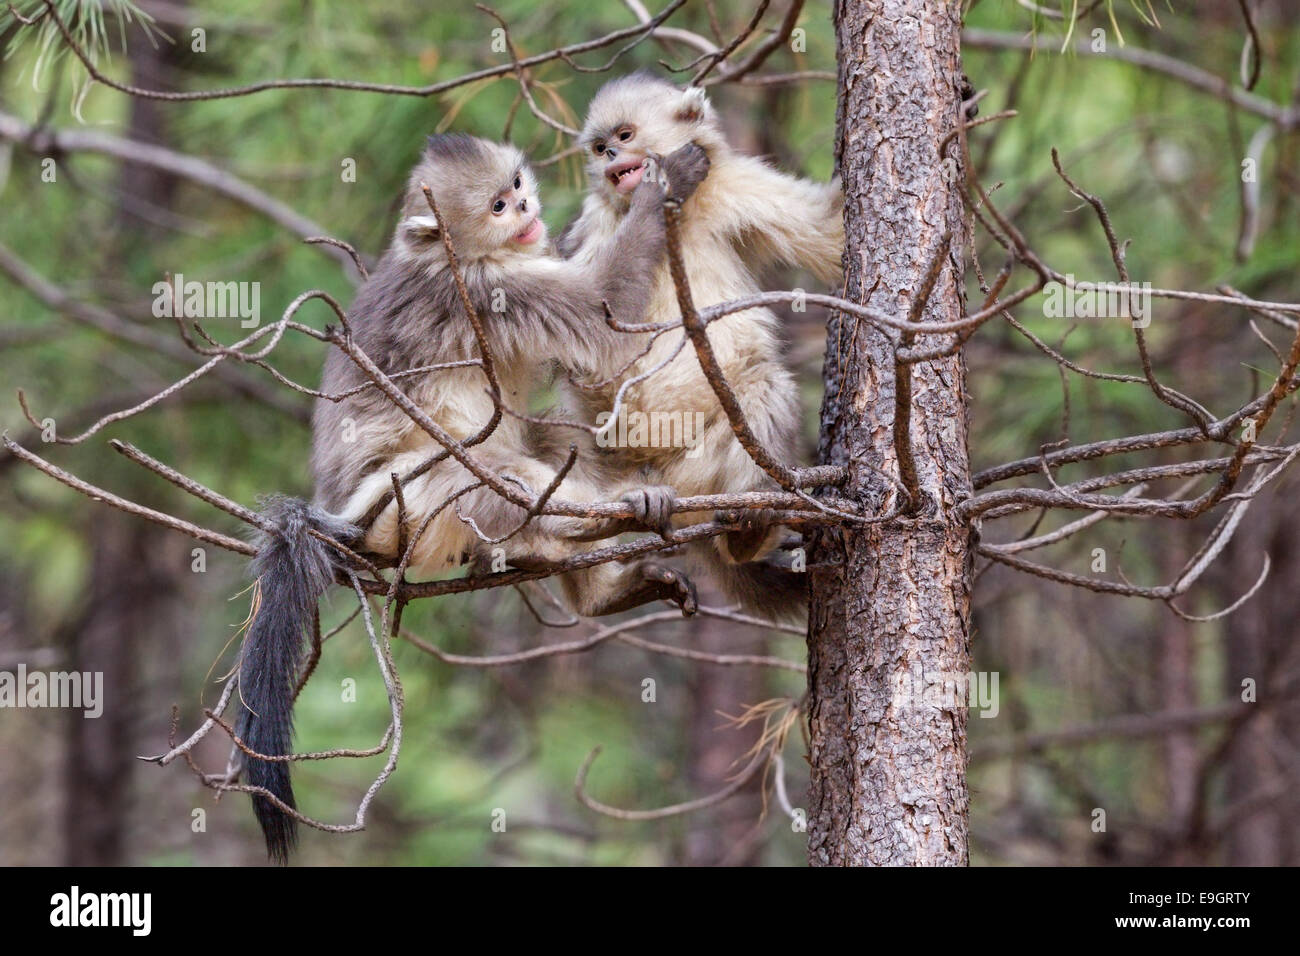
<point>1105,702</point>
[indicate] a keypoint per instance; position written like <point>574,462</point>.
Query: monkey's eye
<point>598,149</point>
<point>626,133</point>
<point>519,181</point>
<point>498,207</point>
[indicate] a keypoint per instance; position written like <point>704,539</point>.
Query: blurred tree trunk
<point>1176,685</point>
<point>891,601</point>
<point>132,603</point>
<point>1260,638</point>
<point>726,834</point>
<point>146,193</point>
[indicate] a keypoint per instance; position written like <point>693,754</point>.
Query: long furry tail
<point>293,570</point>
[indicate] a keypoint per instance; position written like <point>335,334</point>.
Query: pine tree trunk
<point>891,601</point>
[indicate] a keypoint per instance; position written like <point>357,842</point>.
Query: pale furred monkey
<point>535,309</point>
<point>745,215</point>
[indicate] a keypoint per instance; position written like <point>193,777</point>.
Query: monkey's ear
<point>418,233</point>
<point>693,106</point>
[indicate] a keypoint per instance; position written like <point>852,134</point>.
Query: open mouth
<point>532,233</point>
<point>626,175</point>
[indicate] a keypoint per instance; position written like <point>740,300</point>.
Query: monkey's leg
<point>652,507</point>
<point>774,587</point>
<point>628,587</point>
<point>759,531</point>
<point>611,588</point>
<point>718,464</point>
<point>459,523</point>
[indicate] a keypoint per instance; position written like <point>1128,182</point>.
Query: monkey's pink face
<point>633,118</point>
<point>624,164</point>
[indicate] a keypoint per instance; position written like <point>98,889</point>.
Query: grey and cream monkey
<point>535,309</point>
<point>745,216</point>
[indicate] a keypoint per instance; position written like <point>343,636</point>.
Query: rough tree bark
<point>890,601</point>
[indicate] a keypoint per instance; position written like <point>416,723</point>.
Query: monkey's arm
<point>782,218</point>
<point>536,308</point>
<point>624,268</point>
<point>554,308</point>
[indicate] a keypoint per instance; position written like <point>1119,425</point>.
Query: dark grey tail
<point>767,588</point>
<point>293,570</point>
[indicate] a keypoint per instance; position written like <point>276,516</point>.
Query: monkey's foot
<point>672,585</point>
<point>653,507</point>
<point>753,528</point>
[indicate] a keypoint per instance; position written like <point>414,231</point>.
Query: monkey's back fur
<point>405,319</point>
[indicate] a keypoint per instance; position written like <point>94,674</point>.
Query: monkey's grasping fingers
<point>652,510</point>
<point>653,507</point>
<point>683,170</point>
<point>673,586</point>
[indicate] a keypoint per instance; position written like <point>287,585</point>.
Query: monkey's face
<point>515,211</point>
<point>487,195</point>
<point>633,117</point>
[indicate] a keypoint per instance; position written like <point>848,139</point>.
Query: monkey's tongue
<point>627,180</point>
<point>532,233</point>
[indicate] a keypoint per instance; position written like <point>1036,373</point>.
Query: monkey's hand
<point>653,508</point>
<point>682,170</point>
<point>671,585</point>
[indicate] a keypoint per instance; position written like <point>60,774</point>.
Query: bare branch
<point>130,507</point>
<point>756,764</point>
<point>781,473</point>
<point>640,32</point>
<point>44,140</point>
<point>1150,60</point>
